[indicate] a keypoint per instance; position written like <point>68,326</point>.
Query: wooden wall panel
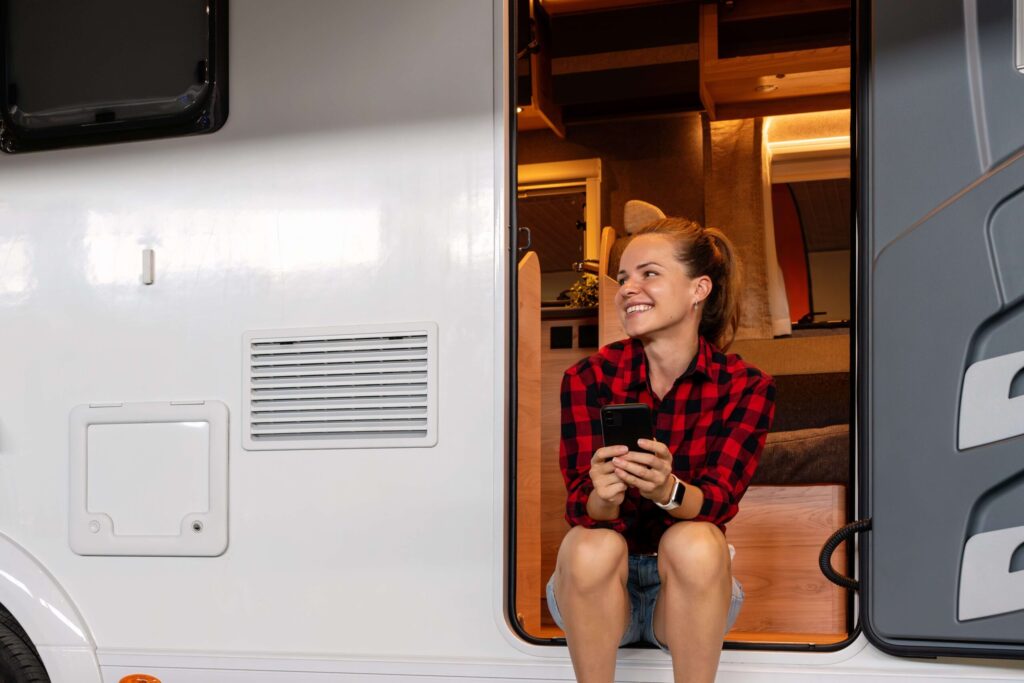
<point>554,363</point>
<point>778,534</point>
<point>528,471</point>
<point>610,327</point>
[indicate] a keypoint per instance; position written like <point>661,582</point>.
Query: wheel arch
<point>43,609</point>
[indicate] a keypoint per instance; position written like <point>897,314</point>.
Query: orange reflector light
<point>140,678</point>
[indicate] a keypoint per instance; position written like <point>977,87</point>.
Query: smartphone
<point>623,424</point>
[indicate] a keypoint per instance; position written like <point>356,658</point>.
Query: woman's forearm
<point>693,501</point>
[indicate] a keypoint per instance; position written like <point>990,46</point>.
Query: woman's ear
<point>702,288</point>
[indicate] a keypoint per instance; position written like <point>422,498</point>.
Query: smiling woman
<point>648,527</point>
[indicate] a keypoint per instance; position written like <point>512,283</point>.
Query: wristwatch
<point>676,499</point>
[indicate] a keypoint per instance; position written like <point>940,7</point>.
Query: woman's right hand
<point>607,485</point>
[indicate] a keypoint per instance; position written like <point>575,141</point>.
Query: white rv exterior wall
<point>353,183</point>
<point>359,180</point>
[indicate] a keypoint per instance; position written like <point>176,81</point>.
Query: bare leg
<point>590,589</point>
<point>693,604</point>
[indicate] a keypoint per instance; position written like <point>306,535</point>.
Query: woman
<point>646,557</point>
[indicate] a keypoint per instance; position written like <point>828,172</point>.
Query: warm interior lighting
<point>519,110</point>
<point>813,127</point>
<point>824,143</point>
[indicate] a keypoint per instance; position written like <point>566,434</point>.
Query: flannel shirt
<point>714,421</point>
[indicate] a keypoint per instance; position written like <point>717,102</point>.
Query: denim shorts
<point>644,585</point>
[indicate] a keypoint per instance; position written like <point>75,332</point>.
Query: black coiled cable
<point>833,542</point>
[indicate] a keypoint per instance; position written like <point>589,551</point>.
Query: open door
<point>942,347</point>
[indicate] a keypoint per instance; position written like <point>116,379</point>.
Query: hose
<point>833,542</point>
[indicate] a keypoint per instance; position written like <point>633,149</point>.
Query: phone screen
<point>624,424</point>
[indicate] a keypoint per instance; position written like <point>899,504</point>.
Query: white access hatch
<point>149,478</point>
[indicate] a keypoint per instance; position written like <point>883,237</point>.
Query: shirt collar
<point>702,364</point>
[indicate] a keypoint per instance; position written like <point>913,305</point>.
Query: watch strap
<point>676,499</point>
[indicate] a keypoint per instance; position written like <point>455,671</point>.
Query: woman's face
<point>656,295</point>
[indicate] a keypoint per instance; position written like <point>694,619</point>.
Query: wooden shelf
<point>541,111</point>
<point>769,84</point>
<point>528,118</point>
<point>745,11</point>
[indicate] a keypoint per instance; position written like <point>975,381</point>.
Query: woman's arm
<point>733,452</point>
<point>583,461</point>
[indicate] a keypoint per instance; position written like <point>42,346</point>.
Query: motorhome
<point>287,290</point>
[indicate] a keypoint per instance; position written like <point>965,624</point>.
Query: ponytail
<point>721,316</point>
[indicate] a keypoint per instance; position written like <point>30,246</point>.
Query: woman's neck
<point>667,359</point>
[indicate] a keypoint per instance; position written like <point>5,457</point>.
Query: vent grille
<point>341,388</point>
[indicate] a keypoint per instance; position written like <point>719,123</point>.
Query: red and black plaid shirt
<point>714,421</point>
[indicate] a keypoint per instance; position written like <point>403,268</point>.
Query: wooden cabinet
<point>784,82</point>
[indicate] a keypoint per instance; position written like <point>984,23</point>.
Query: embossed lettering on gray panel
<point>987,413</point>
<point>987,586</point>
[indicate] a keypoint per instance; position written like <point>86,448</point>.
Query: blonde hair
<point>707,251</point>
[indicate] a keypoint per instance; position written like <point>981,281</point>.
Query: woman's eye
<point>622,281</point>
<point>649,273</point>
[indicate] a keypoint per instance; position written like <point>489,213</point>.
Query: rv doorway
<point>678,104</point>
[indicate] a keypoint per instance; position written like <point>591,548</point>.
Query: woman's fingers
<point>606,453</point>
<point>610,451</point>
<point>656,447</point>
<point>635,473</point>
<point>656,472</point>
<point>645,459</point>
<point>615,487</point>
<point>645,485</point>
<point>610,488</point>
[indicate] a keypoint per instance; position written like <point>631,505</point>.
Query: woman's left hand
<point>650,473</point>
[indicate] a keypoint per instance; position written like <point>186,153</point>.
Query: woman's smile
<point>636,309</point>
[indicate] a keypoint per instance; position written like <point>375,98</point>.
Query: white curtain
<point>778,303</point>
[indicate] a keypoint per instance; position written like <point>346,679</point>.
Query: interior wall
<point>658,160</point>
<point>830,273</point>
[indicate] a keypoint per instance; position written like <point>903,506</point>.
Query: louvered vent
<point>356,387</point>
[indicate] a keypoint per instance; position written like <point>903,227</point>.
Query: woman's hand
<point>607,484</point>
<point>650,473</point>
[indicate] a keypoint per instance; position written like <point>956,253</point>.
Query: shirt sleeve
<point>734,450</point>
<point>581,437</point>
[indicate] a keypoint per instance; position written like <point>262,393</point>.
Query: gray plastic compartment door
<point>942,142</point>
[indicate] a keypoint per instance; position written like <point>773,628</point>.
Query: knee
<point>694,554</point>
<point>591,559</point>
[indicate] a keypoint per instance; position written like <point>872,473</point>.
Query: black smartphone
<point>623,424</point>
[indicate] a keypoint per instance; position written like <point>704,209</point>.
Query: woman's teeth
<point>638,308</point>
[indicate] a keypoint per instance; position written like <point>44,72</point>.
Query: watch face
<point>677,493</point>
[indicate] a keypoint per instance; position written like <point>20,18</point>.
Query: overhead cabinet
<point>777,81</point>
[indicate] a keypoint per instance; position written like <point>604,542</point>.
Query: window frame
<point>207,115</point>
